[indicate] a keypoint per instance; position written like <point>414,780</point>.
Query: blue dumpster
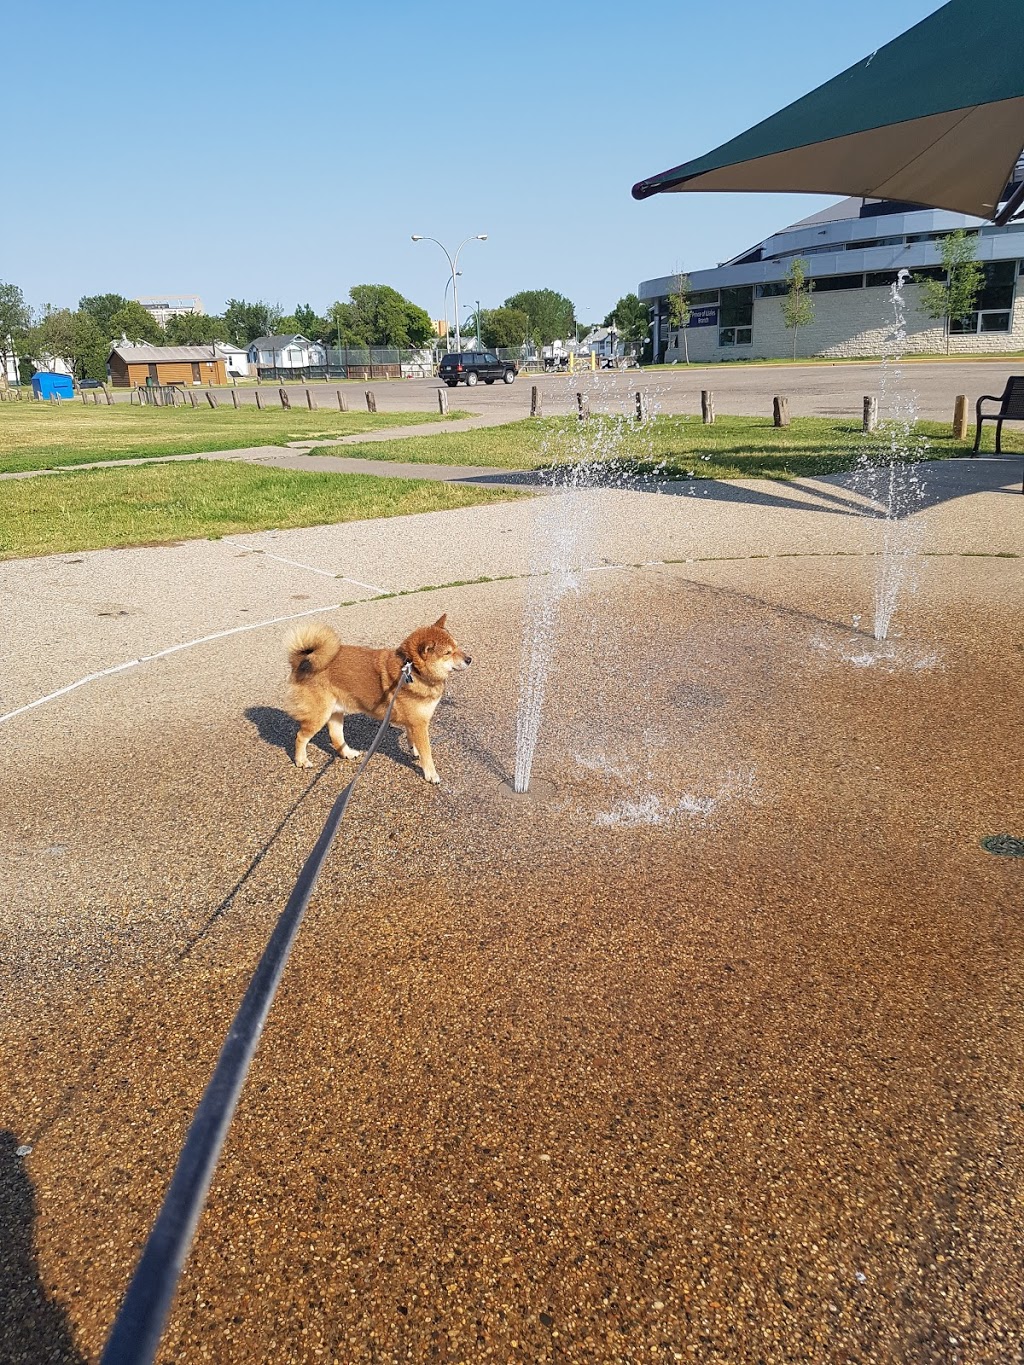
<point>45,384</point>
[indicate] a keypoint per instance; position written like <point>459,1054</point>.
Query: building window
<point>701,298</point>
<point>734,336</point>
<point>880,279</point>
<point>824,284</point>
<point>866,243</point>
<point>736,316</point>
<point>995,321</point>
<point>772,290</point>
<point>994,302</point>
<point>737,306</point>
<point>997,290</point>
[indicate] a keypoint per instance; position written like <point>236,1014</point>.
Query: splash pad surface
<point>713,1052</point>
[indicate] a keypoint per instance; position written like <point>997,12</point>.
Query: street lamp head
<point>416,237</point>
<point>481,236</point>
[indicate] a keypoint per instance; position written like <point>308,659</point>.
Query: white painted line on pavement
<point>297,564</point>
<point>162,654</point>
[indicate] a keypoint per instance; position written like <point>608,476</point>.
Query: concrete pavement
<point>707,1054</point>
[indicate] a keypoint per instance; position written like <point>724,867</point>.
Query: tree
<point>954,298</point>
<point>503,327</point>
<point>101,308</point>
<point>137,324</point>
<point>797,308</point>
<point>377,315</point>
<point>632,317</point>
<point>195,329</point>
<point>310,324</point>
<point>552,316</point>
<point>15,320</point>
<point>73,338</point>
<point>679,309</point>
<point>245,322</point>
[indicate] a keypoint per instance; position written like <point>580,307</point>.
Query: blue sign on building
<point>704,316</point>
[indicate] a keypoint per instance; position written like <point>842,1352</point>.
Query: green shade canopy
<point>936,117</point>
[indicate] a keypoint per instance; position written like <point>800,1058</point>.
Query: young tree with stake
<point>679,309</point>
<point>954,298</point>
<point>797,308</point>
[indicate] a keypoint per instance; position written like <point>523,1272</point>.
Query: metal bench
<point>1011,409</point>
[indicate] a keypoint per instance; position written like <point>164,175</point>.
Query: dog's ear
<point>439,623</point>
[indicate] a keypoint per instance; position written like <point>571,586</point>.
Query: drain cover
<point>1005,845</point>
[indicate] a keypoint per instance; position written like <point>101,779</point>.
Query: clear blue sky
<point>287,152</point>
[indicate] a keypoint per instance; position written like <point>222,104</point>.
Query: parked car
<point>89,384</point>
<point>469,367</point>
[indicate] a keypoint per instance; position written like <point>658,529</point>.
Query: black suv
<point>471,366</point>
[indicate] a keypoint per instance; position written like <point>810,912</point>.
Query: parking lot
<point>813,390</point>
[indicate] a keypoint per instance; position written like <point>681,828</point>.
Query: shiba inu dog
<point>330,680</point>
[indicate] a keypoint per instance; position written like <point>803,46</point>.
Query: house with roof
<point>130,366</point>
<point>603,342</point>
<point>235,358</point>
<point>276,356</point>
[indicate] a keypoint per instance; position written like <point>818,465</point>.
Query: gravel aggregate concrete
<point>709,1051</point>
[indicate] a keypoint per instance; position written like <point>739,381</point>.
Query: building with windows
<point>131,366</point>
<point>854,252</point>
<point>289,355</point>
<point>167,306</point>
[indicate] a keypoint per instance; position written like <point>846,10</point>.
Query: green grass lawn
<point>154,504</point>
<point>47,436</point>
<point>675,447</point>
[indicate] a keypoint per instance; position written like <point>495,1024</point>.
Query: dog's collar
<point>406,660</point>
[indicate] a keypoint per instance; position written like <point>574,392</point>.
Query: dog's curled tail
<point>311,647</point>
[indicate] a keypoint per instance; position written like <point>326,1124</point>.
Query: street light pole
<point>477,237</point>
<point>447,286</point>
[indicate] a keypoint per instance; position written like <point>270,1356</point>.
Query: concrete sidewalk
<point>100,609</point>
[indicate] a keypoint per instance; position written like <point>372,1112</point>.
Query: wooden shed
<point>134,365</point>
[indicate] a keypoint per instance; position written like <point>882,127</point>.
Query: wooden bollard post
<point>371,402</point>
<point>583,406</point>
<point>870,412</point>
<point>780,411</point>
<point>960,418</point>
<point>707,407</point>
<point>194,397</point>
<point>286,402</point>
<point>310,400</point>
<point>442,402</point>
<point>342,402</point>
<point>95,396</point>
<point>259,400</point>
<point>108,396</point>
<point>211,398</point>
<point>84,396</point>
<point>536,406</point>
<point>234,398</point>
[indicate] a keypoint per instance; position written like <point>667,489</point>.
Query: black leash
<point>139,1324</point>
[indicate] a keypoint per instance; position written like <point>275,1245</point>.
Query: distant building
<point>131,366</point>
<point>854,251</point>
<point>167,306</point>
<point>292,351</point>
<point>235,358</point>
<point>603,342</point>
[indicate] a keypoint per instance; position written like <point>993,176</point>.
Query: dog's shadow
<point>276,728</point>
